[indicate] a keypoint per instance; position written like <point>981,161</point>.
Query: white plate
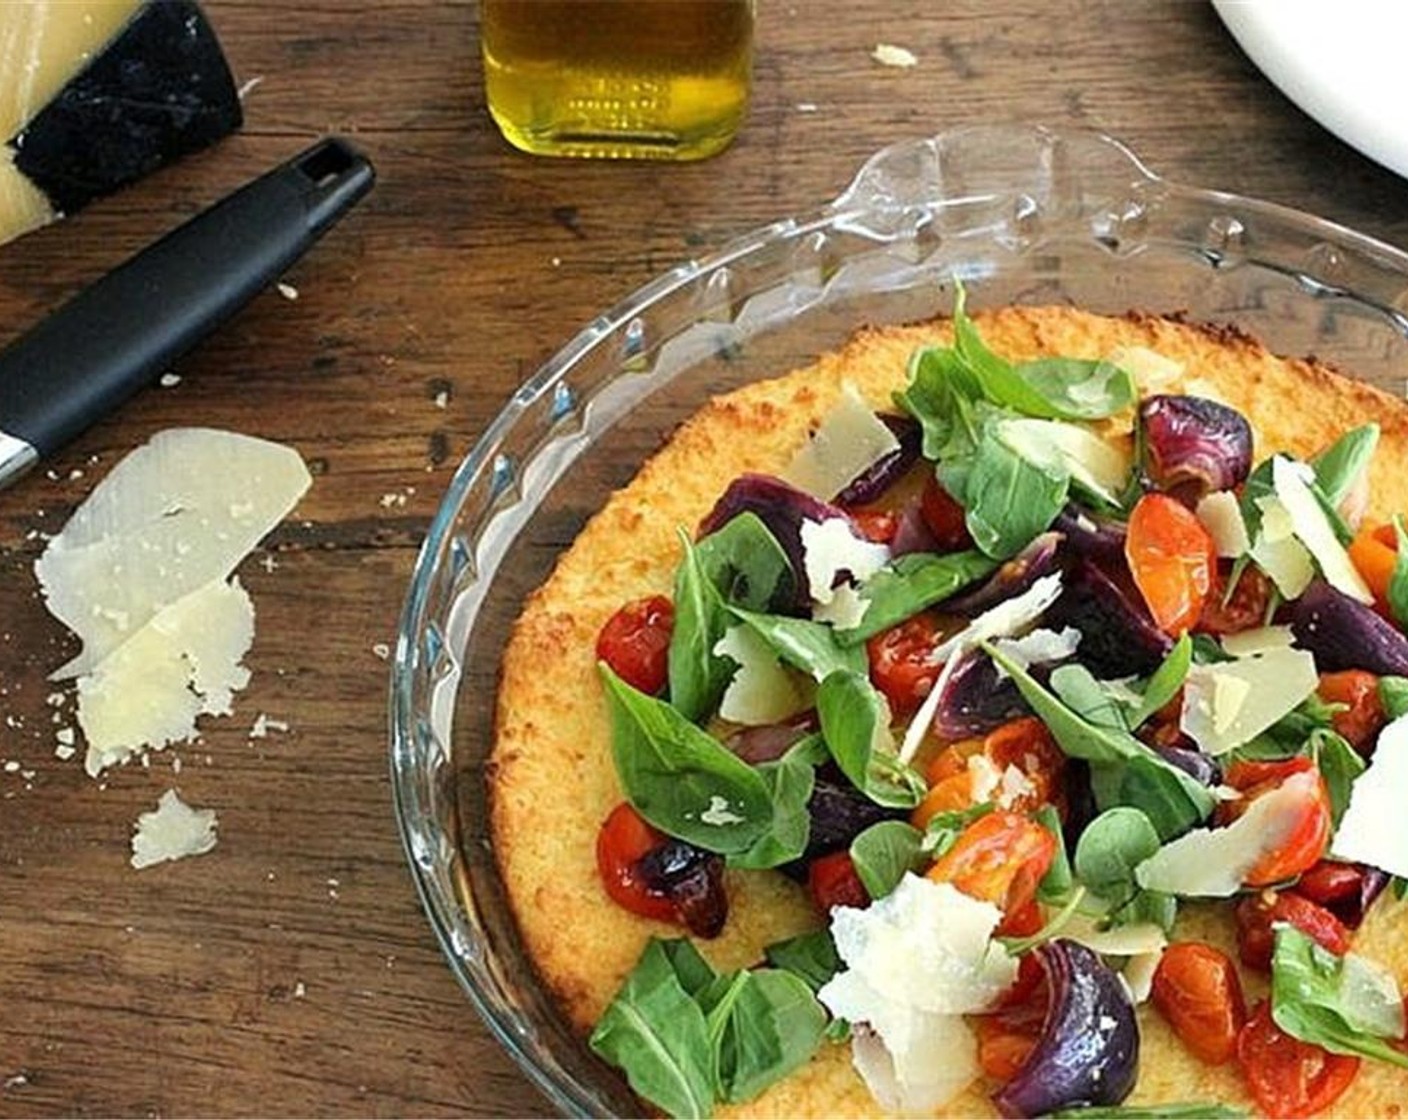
<point>1342,61</point>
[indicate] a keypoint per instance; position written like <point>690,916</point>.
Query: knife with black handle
<point>125,330</point>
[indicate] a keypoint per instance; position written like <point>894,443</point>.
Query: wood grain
<point>291,971</point>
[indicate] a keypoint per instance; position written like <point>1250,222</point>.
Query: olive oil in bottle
<point>618,79</point>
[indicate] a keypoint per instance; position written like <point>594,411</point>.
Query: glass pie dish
<point>1022,215</point>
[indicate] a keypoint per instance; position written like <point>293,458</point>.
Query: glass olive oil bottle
<point>618,79</point>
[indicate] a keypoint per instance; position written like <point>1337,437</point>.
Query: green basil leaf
<point>1398,582</point>
<point>855,724</point>
<point>884,852</point>
<point>812,647</point>
<point>913,583</point>
<point>1333,1001</point>
<point>1167,679</point>
<point>679,778</point>
<point>656,1034</point>
<point>1083,694</point>
<point>811,956</point>
<point>1110,848</point>
<point>1208,651</point>
<point>998,378</point>
<point>1259,485</point>
<point>690,968</point>
<point>1339,765</point>
<point>1009,499</point>
<point>764,1025</point>
<point>1393,695</point>
<point>746,564</point>
<point>697,675</point>
<point>940,394</point>
<point>1191,1110</point>
<point>1340,465</point>
<point>1079,389</point>
<point>789,781</point>
<point>1058,882</point>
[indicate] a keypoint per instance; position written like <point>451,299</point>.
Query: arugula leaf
<point>884,852</point>
<point>1393,695</point>
<point>1344,1004</point>
<point>1058,881</point>
<point>1207,651</point>
<point>1167,679</point>
<point>1009,499</point>
<point>1191,1110</point>
<point>1398,582</point>
<point>679,777</point>
<point>810,646</point>
<point>999,380</point>
<point>1109,850</point>
<point>790,781</point>
<point>657,1035</point>
<point>812,956</point>
<point>1079,389</point>
<point>911,584</point>
<point>855,724</point>
<point>1123,770</point>
<point>765,1024</point>
<point>940,393</point>
<point>1339,466</point>
<point>1339,765</point>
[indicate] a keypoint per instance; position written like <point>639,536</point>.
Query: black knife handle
<point>125,330</point>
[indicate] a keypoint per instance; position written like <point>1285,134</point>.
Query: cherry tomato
<point>1309,835</point>
<point>1022,922</point>
<point>1330,882</point>
<point>1027,744</point>
<point>1029,989</point>
<point>1288,1077</point>
<point>944,517</point>
<point>1374,552</point>
<point>833,881</point>
<point>1000,858</point>
<point>1004,1047</point>
<point>1255,914</point>
<point>1197,990</point>
<point>635,642</point>
<point>875,525</point>
<point>899,662</point>
<point>1363,717</point>
<point>624,838</point>
<point>1245,609</point>
<point>948,795</point>
<point>1171,558</point>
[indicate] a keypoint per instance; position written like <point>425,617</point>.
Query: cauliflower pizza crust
<point>552,776</point>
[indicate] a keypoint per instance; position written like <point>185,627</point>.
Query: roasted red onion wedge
<point>884,473</point>
<point>1193,445</point>
<point>1014,577</point>
<point>1118,638</point>
<point>1343,633</point>
<point>1088,1052</point>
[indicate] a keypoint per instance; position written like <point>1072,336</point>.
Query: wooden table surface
<point>291,970</point>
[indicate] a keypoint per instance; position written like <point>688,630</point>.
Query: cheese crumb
<point>169,380</point>
<point>263,725</point>
<point>288,291</point>
<point>171,832</point>
<point>381,650</point>
<point>887,54</point>
<point>718,813</point>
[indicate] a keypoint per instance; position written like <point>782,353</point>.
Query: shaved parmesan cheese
<point>762,690</point>
<point>1371,830</point>
<point>850,440</point>
<point>1264,639</point>
<point>1138,974</point>
<point>139,574</point>
<point>1152,371</point>
<point>1038,647</point>
<point>1096,464</point>
<point>171,517</point>
<point>1212,863</point>
<point>830,548</point>
<point>1010,617</point>
<point>1228,704</point>
<point>1278,553</point>
<point>172,831</point>
<point>846,610</point>
<point>916,961</point>
<point>1221,516</point>
<point>1121,941</point>
<point>1314,529</point>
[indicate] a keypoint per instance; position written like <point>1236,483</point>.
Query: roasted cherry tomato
<point>944,517</point>
<point>833,881</point>
<point>1363,716</point>
<point>624,838</point>
<point>1288,1077</point>
<point>1022,922</point>
<point>1374,552</point>
<point>999,858</point>
<point>1004,1046</point>
<point>900,665</point>
<point>1029,989</point>
<point>635,642</point>
<point>1171,558</point>
<point>875,525</point>
<point>1245,608</point>
<point>1256,914</point>
<point>1306,838</point>
<point>948,795</point>
<point>1331,882</point>
<point>1197,990</point>
<point>1027,744</point>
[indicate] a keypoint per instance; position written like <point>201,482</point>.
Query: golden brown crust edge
<point>553,780</point>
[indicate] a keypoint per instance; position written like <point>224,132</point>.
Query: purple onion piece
<point>914,534</point>
<point>1343,633</point>
<point>1193,445</point>
<point>839,813</point>
<point>1088,1052</point>
<point>1014,577</point>
<point>782,508</point>
<point>692,879</point>
<point>975,701</point>
<point>1202,767</point>
<point>1094,538</point>
<point>885,472</point>
<point>1118,638</point>
<point>1081,807</point>
<point>768,742</point>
